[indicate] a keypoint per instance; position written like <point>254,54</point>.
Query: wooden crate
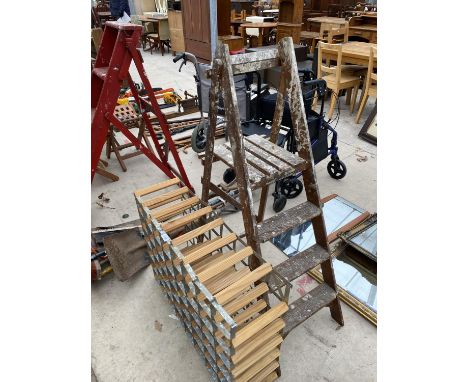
<point>202,266</point>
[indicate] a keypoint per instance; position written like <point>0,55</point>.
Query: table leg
<point>260,36</point>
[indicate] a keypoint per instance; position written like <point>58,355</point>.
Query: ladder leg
<point>301,133</point>
<point>210,138</point>
<point>238,154</point>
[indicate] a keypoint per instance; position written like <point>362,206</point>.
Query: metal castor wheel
<point>291,187</point>
<point>336,169</point>
<point>279,203</point>
<point>229,175</point>
<point>199,137</point>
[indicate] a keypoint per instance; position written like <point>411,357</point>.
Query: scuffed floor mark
<point>302,283</point>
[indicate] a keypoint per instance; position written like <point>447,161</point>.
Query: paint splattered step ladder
<point>202,266</point>
<point>259,162</point>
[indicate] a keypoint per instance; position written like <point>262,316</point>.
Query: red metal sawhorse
<point>118,49</point>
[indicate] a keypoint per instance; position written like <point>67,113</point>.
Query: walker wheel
<point>291,187</point>
<point>336,169</point>
<point>229,175</point>
<point>279,203</point>
<point>199,137</point>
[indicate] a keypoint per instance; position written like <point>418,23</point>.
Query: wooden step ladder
<point>117,51</point>
<point>258,163</point>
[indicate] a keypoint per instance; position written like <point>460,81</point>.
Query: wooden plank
<point>258,340</point>
<point>260,353</point>
<point>299,264</point>
<point>266,362</point>
<point>224,264</point>
<point>236,288</point>
<point>286,220</point>
<point>259,323</point>
<point>213,245</point>
<point>223,282</point>
<point>224,155</point>
<point>197,232</point>
<point>278,152</point>
<point>209,261</point>
<point>258,163</point>
<point>248,313</point>
<point>244,299</point>
<point>175,209</point>
<point>260,377</point>
<point>165,198</point>
<point>157,187</point>
<point>179,223</point>
<point>254,66</point>
<point>307,305</point>
<point>272,160</point>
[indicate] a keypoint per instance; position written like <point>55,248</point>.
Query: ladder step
<point>299,264</point>
<point>306,306</point>
<point>223,154</point>
<point>259,323</point>
<point>279,152</point>
<point>286,220</point>
<point>101,72</point>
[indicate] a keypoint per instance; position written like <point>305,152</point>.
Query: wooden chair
<point>336,78</point>
<point>160,38</point>
<point>370,83</point>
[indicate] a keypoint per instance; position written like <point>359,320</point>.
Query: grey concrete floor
<point>126,346</point>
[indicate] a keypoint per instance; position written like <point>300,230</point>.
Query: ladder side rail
<point>139,145</point>
<point>299,122</point>
<point>109,92</point>
<point>146,120</point>
<point>238,152</point>
<point>138,60</point>
<point>210,139</point>
<point>285,79</point>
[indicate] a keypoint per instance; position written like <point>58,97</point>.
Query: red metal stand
<point>118,50</point>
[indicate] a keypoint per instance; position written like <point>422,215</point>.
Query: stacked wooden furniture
<point>202,266</point>
<point>258,163</point>
<point>364,27</point>
<point>290,19</point>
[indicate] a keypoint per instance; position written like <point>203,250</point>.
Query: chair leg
<point>348,96</point>
<point>334,96</point>
<point>353,99</point>
<point>361,106</point>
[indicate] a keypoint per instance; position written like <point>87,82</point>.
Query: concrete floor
<point>126,346</point>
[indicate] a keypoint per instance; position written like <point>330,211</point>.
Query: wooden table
<point>264,30</point>
<point>356,52</point>
<point>314,23</point>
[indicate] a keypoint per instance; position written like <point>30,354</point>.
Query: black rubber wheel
<point>199,137</point>
<point>336,169</point>
<point>279,203</point>
<point>229,175</point>
<point>291,187</point>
